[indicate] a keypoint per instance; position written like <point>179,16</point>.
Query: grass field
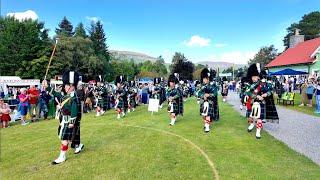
<point>304,109</point>
<point>143,146</point>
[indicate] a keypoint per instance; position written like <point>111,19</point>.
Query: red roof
<point>299,54</point>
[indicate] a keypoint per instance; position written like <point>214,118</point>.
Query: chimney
<point>295,39</point>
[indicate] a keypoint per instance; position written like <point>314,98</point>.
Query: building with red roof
<point>301,56</point>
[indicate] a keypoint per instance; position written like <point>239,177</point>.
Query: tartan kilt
<point>65,133</point>
<point>120,104</point>
<point>180,106</point>
<point>213,110</point>
<point>76,134</point>
<point>100,102</point>
<point>132,102</point>
<point>175,108</point>
<point>106,102</point>
<point>271,111</point>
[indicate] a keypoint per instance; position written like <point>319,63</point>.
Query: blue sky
<point>204,30</point>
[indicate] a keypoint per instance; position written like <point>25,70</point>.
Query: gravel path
<point>299,131</point>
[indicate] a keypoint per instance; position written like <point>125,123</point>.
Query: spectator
<point>57,95</point>
<point>318,96</point>
<point>286,86</point>
<point>23,105</point>
<point>4,113</point>
<point>81,95</point>
<point>304,97</point>
<point>33,93</point>
<point>310,91</point>
<point>145,93</point>
<point>44,103</point>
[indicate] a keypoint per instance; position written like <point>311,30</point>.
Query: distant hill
<point>128,55</point>
<point>222,65</point>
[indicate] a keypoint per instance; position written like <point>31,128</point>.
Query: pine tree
<point>80,31</point>
<point>98,38</point>
<point>65,28</point>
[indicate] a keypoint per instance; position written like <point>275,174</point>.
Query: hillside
<point>221,65</point>
<point>128,55</point>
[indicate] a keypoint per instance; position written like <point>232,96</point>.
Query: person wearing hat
<point>173,97</point>
<point>197,85</point>
<point>98,94</point>
<point>132,93</point>
<point>180,91</point>
<point>244,85</point>
<point>224,89</point>
<point>261,99</point>
<point>156,92</point>
<point>69,128</point>
<point>209,109</point>
<point>185,88</point>
<point>121,96</point>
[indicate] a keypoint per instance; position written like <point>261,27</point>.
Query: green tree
<point>264,56</point>
<point>181,65</point>
<point>98,37</point>
<point>65,28</point>
<point>76,53</point>
<point>80,31</point>
<point>309,26</point>
<point>21,42</point>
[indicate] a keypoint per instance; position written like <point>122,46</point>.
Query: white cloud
<point>220,45</point>
<point>198,41</point>
<point>236,57</point>
<point>29,14</point>
<point>94,19</point>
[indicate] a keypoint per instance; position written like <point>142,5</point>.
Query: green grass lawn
<point>128,149</point>
<point>297,102</point>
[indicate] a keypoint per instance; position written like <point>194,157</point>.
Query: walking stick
<point>54,49</point>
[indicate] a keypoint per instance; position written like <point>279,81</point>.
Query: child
<point>4,113</point>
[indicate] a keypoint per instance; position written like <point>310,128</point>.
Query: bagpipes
<point>170,107</point>
<point>205,109</point>
<point>256,110</point>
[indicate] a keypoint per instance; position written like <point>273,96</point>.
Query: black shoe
<point>55,163</point>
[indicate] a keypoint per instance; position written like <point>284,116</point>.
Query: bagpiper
<point>224,89</point>
<point>162,92</point>
<point>157,90</point>
<point>70,107</point>
<point>197,86</point>
<point>244,85</point>
<point>98,94</point>
<point>120,96</point>
<point>132,93</point>
<point>260,98</point>
<point>106,96</point>
<point>180,91</point>
<point>174,98</point>
<point>208,93</point>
